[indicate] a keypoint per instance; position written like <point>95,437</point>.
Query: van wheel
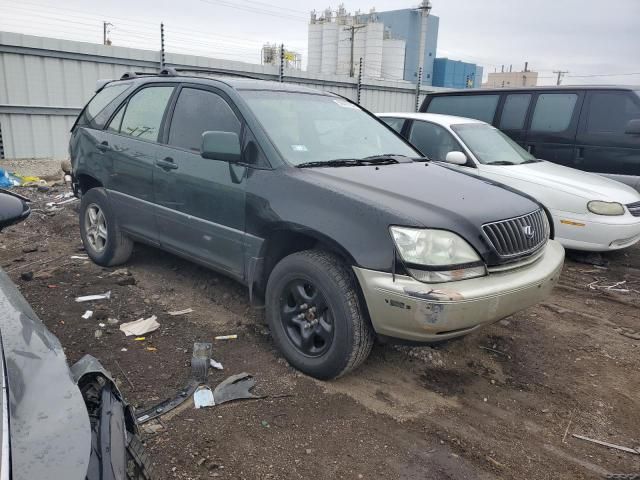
<point>105,244</point>
<point>315,316</point>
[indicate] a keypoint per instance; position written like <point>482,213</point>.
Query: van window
<point>480,107</point>
<point>199,111</point>
<point>553,112</point>
<point>515,111</point>
<point>144,112</point>
<point>609,112</point>
<point>433,140</point>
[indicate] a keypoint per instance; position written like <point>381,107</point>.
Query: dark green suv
<point>328,216</point>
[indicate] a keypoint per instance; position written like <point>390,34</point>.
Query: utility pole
<point>105,33</point>
<point>161,46</point>
<point>560,75</point>
<point>353,29</point>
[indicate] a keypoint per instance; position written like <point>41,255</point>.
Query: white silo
<point>344,50</point>
<point>314,56</point>
<point>373,52</point>
<point>329,48</point>
<point>393,51</point>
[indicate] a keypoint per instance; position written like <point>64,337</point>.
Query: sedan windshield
<point>308,128</point>
<point>490,146</point>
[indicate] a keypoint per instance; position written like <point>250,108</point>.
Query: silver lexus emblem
<point>528,231</point>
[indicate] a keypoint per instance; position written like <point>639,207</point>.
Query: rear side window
<point>395,123</point>
<point>96,113</point>
<point>515,111</point>
<point>199,111</point>
<point>553,112</point>
<point>144,112</point>
<point>609,112</point>
<point>480,107</point>
<point>433,140</point>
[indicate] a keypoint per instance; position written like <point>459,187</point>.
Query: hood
<point>49,426</point>
<point>426,194</point>
<point>588,186</point>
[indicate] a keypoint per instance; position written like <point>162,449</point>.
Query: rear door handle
<point>579,154</point>
<point>167,164</point>
<point>104,146</point>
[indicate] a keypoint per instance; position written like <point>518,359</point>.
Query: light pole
<point>424,8</point>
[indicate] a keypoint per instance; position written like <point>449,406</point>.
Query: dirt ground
<point>500,403</point>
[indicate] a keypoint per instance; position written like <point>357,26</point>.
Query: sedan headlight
<point>605,208</point>
<point>435,256</point>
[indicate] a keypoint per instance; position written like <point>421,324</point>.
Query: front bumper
<point>583,232</point>
<point>410,310</point>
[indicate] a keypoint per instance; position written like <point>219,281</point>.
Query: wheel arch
<point>282,242</point>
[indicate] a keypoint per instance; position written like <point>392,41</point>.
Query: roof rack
<point>214,71</point>
<point>127,75</point>
<point>174,72</point>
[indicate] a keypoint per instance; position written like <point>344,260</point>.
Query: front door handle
<point>530,149</point>
<point>104,146</point>
<point>167,164</point>
<point>579,154</point>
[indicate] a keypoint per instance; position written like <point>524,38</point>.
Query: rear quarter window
<point>480,107</point>
<point>102,106</point>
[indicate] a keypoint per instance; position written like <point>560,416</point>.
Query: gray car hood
<point>49,425</point>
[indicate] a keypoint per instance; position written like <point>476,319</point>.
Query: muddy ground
<point>500,403</point>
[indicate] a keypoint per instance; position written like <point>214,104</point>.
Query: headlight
<point>436,255</point>
<point>605,208</point>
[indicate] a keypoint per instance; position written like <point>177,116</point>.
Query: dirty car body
<point>246,212</point>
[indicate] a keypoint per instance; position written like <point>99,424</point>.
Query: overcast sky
<point>585,37</point>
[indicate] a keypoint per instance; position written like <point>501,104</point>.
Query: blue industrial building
<point>405,25</point>
<point>456,74</point>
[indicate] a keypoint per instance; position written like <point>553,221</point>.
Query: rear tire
<point>315,315</point>
<point>101,236</point>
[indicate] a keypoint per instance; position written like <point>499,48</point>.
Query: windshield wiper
<point>354,162</point>
<point>500,162</point>
<point>390,156</point>
<point>534,160</point>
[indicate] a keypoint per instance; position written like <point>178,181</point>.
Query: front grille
<point>518,236</point>
<point>634,209</point>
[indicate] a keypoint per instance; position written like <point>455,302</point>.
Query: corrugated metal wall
<point>44,82</point>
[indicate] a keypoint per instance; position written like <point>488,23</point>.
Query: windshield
<point>318,128</point>
<point>491,146</point>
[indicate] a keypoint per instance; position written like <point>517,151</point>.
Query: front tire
<point>315,316</point>
<point>101,236</point>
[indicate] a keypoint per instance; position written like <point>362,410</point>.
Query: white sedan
<point>589,212</point>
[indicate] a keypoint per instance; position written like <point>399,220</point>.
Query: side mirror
<point>223,146</point>
<point>633,127</point>
<point>12,209</point>
<point>456,158</point>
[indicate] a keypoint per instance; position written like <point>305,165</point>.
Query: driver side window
<point>433,140</point>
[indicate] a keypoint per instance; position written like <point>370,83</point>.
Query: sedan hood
<point>427,194</point>
<point>589,186</point>
<point>49,425</point>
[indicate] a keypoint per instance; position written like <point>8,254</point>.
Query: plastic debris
<point>79,257</point>
<point>91,298</point>
<point>180,312</point>
<point>235,387</point>
<point>101,325</point>
<point>98,333</point>
<point>152,349</point>
<point>203,397</point>
<point>226,337</point>
<point>123,349</point>
<point>140,326</point>
<point>88,314</point>
<point>140,339</point>
<point>216,365</point>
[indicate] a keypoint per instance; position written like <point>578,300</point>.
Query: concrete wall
<point>44,82</point>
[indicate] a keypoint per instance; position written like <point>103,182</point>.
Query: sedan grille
<point>518,236</point>
<point>634,209</point>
